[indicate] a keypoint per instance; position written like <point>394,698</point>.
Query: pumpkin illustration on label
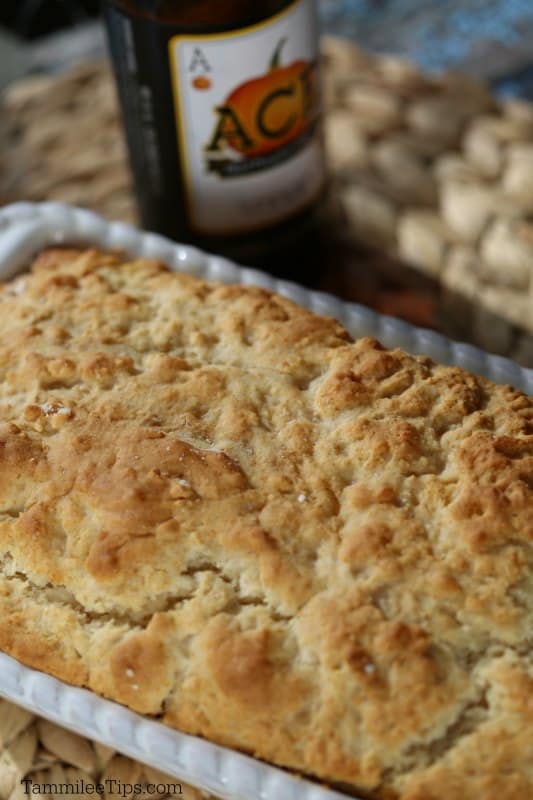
<point>267,113</point>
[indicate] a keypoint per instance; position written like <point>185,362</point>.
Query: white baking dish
<point>24,230</point>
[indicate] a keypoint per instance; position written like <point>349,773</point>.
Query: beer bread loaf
<point>220,511</point>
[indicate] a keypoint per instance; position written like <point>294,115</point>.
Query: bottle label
<point>247,110</point>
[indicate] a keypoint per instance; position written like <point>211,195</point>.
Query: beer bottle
<point>221,103</point>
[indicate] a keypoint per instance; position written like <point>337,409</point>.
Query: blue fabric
<point>490,38</point>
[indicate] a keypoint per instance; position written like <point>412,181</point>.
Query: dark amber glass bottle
<point>221,104</point>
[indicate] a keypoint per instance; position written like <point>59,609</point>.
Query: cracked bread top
<point>217,509</point>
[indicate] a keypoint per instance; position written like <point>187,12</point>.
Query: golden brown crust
<point>218,509</point>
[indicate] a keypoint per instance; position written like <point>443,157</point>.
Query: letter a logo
<point>199,61</point>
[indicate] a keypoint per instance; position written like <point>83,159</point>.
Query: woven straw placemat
<point>62,140</point>
<point>36,750</point>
